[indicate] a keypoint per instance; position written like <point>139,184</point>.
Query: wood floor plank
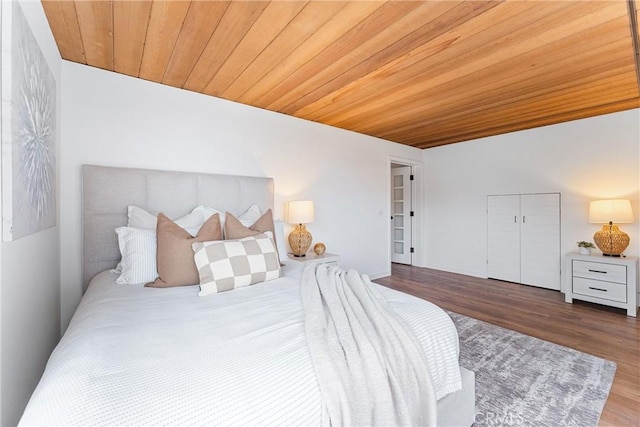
<point>604,332</point>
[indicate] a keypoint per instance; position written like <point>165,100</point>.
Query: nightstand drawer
<point>600,289</point>
<point>600,271</point>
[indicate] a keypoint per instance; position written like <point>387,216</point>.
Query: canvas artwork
<point>28,130</point>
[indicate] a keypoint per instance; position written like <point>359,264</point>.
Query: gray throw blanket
<point>370,366</point>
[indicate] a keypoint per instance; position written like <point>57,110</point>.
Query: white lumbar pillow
<point>138,249</point>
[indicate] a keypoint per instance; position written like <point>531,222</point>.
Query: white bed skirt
<point>459,408</point>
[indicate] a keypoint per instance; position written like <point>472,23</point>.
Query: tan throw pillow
<point>233,228</point>
<point>176,266</point>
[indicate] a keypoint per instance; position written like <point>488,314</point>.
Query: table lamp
<point>610,239</point>
<point>299,213</point>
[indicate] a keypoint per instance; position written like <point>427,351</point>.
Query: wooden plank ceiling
<point>422,73</point>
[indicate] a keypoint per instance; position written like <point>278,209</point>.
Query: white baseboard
<point>482,275</point>
<point>379,275</point>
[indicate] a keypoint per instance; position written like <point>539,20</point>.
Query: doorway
<point>402,213</point>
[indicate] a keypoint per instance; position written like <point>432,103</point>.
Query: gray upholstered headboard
<point>107,191</point>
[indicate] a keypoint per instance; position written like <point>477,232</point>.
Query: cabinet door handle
<point>597,271</point>
<point>597,289</point>
<point>515,219</point>
<point>524,219</point>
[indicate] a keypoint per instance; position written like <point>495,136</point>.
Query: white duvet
<point>146,356</point>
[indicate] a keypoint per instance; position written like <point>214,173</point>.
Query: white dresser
<point>603,280</point>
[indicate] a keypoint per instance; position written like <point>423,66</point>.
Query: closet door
<point>540,240</point>
<point>503,228</point>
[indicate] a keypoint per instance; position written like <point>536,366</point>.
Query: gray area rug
<point>525,381</point>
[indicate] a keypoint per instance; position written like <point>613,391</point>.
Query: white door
<point>401,219</point>
<point>540,240</point>
<point>503,236</point>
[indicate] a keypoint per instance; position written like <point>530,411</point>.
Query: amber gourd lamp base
<point>300,240</point>
<point>299,213</point>
<point>610,239</point>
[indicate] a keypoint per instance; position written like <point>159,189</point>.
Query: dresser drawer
<point>600,271</point>
<point>599,289</point>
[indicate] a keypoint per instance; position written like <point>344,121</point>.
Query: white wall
<point>584,160</point>
<point>111,119</point>
<point>30,278</point>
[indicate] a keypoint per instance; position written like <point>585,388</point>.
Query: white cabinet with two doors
<point>523,234</point>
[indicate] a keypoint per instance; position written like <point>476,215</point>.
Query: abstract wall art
<point>27,130</point>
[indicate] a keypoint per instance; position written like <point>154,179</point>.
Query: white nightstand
<point>311,257</point>
<point>603,280</point>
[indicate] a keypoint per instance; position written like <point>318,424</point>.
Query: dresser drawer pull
<point>597,271</point>
<point>597,289</point>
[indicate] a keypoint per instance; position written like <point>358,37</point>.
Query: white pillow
<point>247,219</point>
<point>224,265</point>
<point>250,216</point>
<point>278,226</point>
<point>140,218</point>
<point>208,212</point>
<point>138,249</point>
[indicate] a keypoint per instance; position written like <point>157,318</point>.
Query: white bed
<point>144,356</point>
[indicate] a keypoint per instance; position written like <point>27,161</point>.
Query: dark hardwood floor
<point>598,330</point>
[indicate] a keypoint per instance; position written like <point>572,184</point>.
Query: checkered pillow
<point>228,264</point>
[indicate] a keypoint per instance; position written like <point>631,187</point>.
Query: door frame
<point>416,203</point>
<point>405,256</point>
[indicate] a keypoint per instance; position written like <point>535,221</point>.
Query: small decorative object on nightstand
<point>319,248</point>
<point>584,248</point>
<point>299,213</point>
<point>608,281</point>
<point>610,239</point>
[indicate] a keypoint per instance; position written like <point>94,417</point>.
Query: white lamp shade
<point>300,212</point>
<point>617,211</point>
